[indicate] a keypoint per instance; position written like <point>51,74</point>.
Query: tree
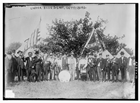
<point>67,36</point>
<point>13,46</point>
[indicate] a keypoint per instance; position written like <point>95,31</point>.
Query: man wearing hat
<point>123,66</point>
<point>29,65</point>
<point>107,68</point>
<point>21,65</point>
<point>115,68</point>
<point>100,66</point>
<point>37,63</point>
<point>90,67</point>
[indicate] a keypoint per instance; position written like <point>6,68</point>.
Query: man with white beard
<point>72,66</point>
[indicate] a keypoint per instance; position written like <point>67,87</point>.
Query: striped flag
<point>34,37</point>
<point>94,39</point>
<point>26,41</point>
<point>31,40</point>
<point>36,33</point>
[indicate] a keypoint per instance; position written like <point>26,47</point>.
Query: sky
<point>20,22</point>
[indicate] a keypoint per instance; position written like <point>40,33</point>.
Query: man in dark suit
<point>37,64</point>
<point>100,66</point>
<point>21,65</point>
<point>114,68</point>
<point>14,66</point>
<point>90,66</point>
<point>107,69</point>
<point>95,68</point>
<point>123,66</point>
<point>29,64</point>
<point>8,68</point>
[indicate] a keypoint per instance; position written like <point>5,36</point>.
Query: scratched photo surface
<point>48,47</point>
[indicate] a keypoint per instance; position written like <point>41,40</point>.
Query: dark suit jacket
<point>123,63</point>
<point>107,63</point>
<point>20,63</point>
<point>37,61</point>
<point>29,63</point>
<point>8,65</point>
<point>101,61</point>
<point>14,64</point>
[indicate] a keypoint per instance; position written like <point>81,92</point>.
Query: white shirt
<point>30,58</point>
<point>72,61</point>
<point>82,61</point>
<point>130,62</point>
<point>122,59</point>
<point>59,62</point>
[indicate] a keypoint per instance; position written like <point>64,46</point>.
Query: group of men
<point>48,67</point>
<point>107,69</point>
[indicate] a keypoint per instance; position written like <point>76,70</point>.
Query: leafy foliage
<point>13,46</point>
<point>68,36</point>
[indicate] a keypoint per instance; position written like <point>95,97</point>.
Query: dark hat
<point>113,53</point>
<point>122,53</point>
<point>107,55</point>
<point>95,55</point>
<point>9,52</point>
<point>19,51</point>
<point>100,54</point>
<point>36,52</point>
<point>29,52</point>
<point>13,51</point>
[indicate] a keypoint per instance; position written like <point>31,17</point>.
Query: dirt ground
<point>73,89</point>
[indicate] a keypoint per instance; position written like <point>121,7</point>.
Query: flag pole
<point>93,30</point>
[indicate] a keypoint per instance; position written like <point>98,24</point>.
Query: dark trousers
<point>38,72</point>
<point>123,73</point>
<point>78,73</point>
<point>20,74</point>
<point>114,73</point>
<point>96,74</point>
<point>106,73</point>
<point>28,73</point>
<point>92,74</point>
<point>46,71</point>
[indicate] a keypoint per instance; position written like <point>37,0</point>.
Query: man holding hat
<point>123,66</point>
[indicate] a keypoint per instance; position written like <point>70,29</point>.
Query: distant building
<point>126,53</point>
<point>104,53</point>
